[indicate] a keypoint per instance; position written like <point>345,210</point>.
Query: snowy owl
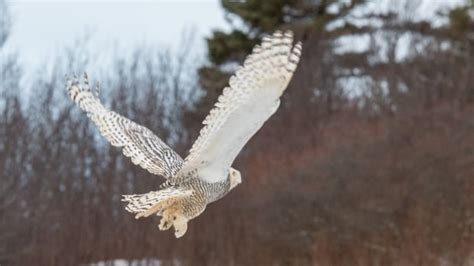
<point>253,95</point>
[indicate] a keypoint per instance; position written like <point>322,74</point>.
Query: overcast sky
<point>40,28</point>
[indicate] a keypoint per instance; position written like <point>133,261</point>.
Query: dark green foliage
<point>232,47</point>
<point>264,16</point>
<point>460,20</point>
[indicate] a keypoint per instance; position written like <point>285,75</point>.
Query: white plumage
<point>205,175</point>
<point>241,110</point>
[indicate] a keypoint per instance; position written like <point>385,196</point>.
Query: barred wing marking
<point>155,201</point>
<point>253,96</point>
<point>137,142</point>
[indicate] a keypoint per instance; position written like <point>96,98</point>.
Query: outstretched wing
<point>137,142</point>
<point>252,97</point>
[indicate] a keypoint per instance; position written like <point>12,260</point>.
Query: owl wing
<point>137,142</point>
<point>154,201</point>
<point>252,97</point>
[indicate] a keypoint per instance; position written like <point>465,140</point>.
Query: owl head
<point>234,177</point>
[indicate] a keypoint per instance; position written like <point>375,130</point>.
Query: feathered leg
<point>172,216</point>
<point>168,216</point>
<point>180,226</point>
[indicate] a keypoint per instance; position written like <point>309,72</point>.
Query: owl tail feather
<point>146,204</point>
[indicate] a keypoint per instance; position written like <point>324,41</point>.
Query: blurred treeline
<point>369,161</point>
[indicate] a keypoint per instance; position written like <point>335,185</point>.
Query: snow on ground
<point>123,262</point>
<point>381,40</point>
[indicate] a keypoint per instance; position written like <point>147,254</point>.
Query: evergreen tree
<point>250,20</point>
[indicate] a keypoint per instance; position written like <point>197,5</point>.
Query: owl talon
<point>164,224</point>
<point>192,182</point>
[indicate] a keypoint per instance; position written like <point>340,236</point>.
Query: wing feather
<point>137,142</point>
<point>251,98</point>
<point>155,201</point>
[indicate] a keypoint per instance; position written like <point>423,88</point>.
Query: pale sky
<point>40,28</point>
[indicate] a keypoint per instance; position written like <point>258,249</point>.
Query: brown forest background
<point>369,161</point>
